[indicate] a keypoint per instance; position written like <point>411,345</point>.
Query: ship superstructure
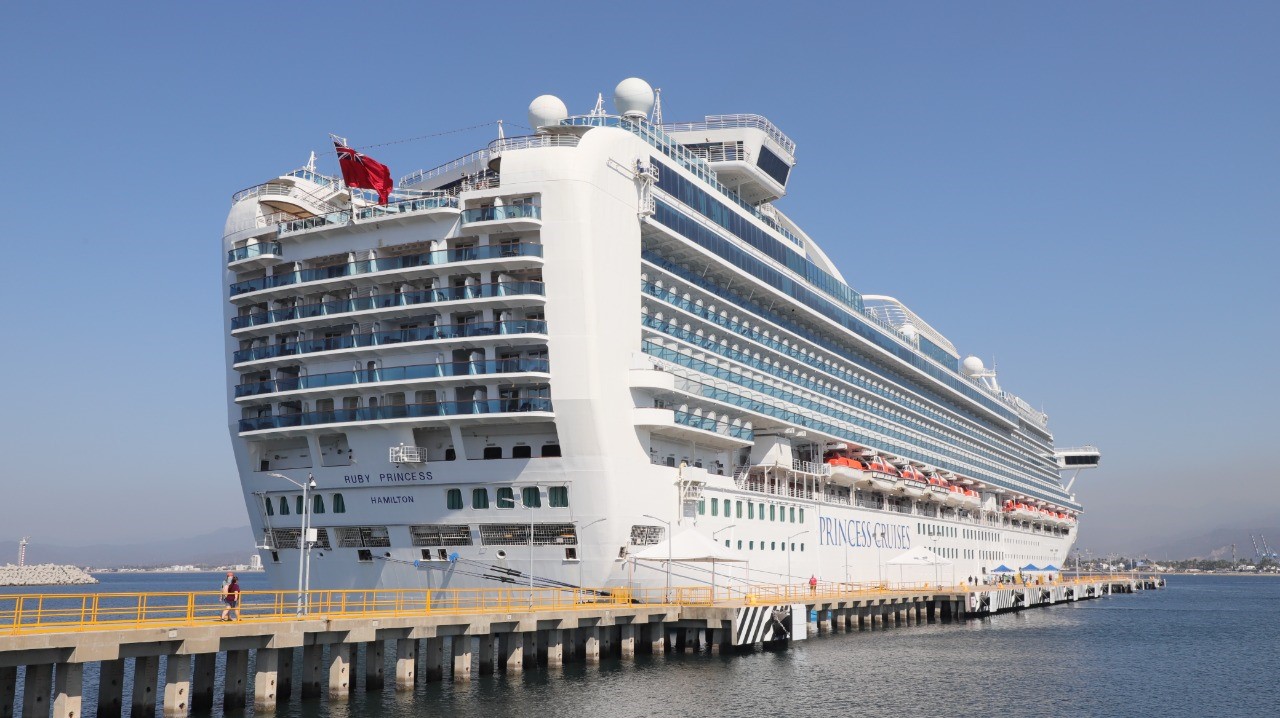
<point>541,361</point>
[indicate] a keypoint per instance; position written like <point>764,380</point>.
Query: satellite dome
<point>546,110</point>
<point>973,366</point>
<point>909,331</point>
<point>633,96</point>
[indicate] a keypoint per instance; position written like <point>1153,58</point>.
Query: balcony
<point>693,427</point>
<point>438,203</point>
<point>393,338</point>
<point>496,257</point>
<point>254,256</point>
<point>504,217</point>
<point>389,376</point>
<point>489,410</point>
<point>519,294</point>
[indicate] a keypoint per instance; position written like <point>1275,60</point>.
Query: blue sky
<point>1085,193</point>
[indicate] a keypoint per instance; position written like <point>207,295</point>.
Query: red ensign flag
<point>364,172</point>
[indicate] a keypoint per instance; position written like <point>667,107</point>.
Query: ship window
<point>317,504</point>
<point>793,514</point>
<point>751,510</point>
<point>751,546</point>
<point>479,498</point>
<point>550,450</point>
<point>801,547</point>
<point>802,518</point>
<point>702,507</point>
<point>493,452</point>
<point>530,497</point>
<point>558,496</point>
<point>506,498</point>
<point>284,506</point>
<point>715,507</point>
<point>773,545</point>
<point>453,499</point>
<point>521,452</point>
<point>339,504</point>
<point>739,511</point>
<point>271,511</point>
<point>364,554</point>
<point>450,454</point>
<point>275,557</point>
<point>739,544</point>
<point>298,503</point>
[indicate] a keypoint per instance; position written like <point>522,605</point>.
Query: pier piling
<point>374,665</point>
<point>284,676</point>
<point>68,690</point>
<point>233,686</point>
<point>340,660</point>
<point>406,663</point>
<point>266,680</point>
<point>461,658</point>
<point>36,689</point>
<point>555,648</point>
<point>312,670</point>
<point>111,688</point>
<point>8,689</point>
<point>433,658</point>
<point>202,679</point>
<point>177,687</point>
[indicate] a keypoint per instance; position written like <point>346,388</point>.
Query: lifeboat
<point>971,499</point>
<point>938,489</point>
<point>848,470</point>
<point>954,497</point>
<point>882,474</point>
<point>914,483</point>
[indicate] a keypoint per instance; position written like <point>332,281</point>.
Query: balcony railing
<point>713,425</point>
<point>384,301</point>
<point>398,411</point>
<point>506,211</point>
<point>394,336</point>
<point>393,374</point>
<point>369,266</point>
<point>396,208</point>
<point>525,142</point>
<point>262,249</point>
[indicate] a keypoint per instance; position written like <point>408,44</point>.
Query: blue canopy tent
<point>1002,569</point>
<point>1029,568</point>
<point>1050,567</point>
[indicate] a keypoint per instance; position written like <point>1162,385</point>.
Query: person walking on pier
<point>813,584</point>
<point>231,597</point>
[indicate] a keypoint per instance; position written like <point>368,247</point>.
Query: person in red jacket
<point>813,584</point>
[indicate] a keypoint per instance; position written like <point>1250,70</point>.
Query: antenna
<point>656,116</point>
<point>598,110</point>
<point>311,162</point>
<point>340,140</point>
<point>500,135</point>
<point>22,551</point>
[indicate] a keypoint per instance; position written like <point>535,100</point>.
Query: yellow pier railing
<point>76,612</point>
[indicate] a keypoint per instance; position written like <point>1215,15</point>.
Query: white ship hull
<point>549,356</point>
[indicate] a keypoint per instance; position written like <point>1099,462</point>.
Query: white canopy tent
<point>691,547</point>
<point>920,565</point>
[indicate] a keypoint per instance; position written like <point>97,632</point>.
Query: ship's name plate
<point>391,477</point>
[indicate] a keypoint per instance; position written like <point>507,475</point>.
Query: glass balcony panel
<point>398,411</point>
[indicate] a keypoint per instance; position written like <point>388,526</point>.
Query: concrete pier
<point>580,631</point>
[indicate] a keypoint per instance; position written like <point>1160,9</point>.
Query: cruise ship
<point>601,355</point>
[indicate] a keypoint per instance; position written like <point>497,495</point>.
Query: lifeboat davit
<point>848,470</point>
<point>882,474</point>
<point>914,483</point>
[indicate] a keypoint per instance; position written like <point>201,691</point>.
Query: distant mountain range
<point>224,546</point>
<point>1217,544</point>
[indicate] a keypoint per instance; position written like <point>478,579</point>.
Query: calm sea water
<point>1205,646</point>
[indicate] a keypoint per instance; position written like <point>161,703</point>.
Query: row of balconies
<point>519,408</point>
<point>408,263</point>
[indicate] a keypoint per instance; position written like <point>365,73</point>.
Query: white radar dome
<point>546,110</point>
<point>972,366</point>
<point>633,96</point>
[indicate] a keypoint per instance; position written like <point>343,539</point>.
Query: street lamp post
<point>527,506</point>
<point>879,556</point>
<point>579,533</point>
<point>669,548</point>
<point>936,578</point>
<point>789,554</point>
<point>304,545</point>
